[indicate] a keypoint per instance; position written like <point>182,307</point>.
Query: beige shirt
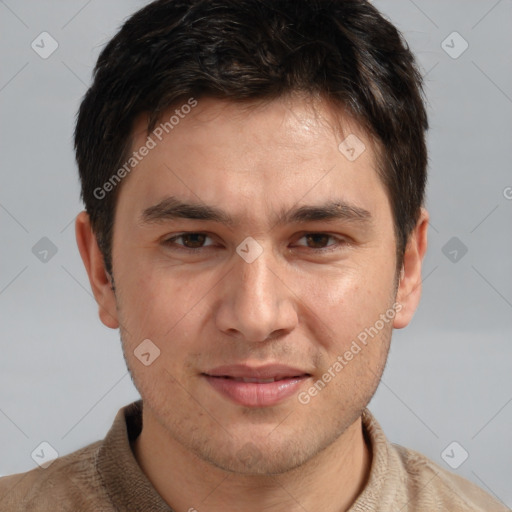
<point>105,477</point>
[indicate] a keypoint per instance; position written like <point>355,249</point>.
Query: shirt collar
<point>127,486</point>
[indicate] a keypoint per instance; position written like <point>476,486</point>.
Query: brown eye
<point>321,243</point>
<point>193,240</point>
<point>317,240</point>
<point>189,241</point>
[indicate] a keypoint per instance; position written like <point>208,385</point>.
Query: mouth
<point>256,387</point>
<point>268,372</point>
<point>255,380</point>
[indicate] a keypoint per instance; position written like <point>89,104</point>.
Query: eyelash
<point>171,242</point>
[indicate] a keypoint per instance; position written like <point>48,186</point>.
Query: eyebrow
<point>172,208</point>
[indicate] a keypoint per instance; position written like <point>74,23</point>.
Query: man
<point>253,174</point>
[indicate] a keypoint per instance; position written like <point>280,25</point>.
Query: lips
<point>267,372</point>
<point>256,386</point>
<point>252,379</point>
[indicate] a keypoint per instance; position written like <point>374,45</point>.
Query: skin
<point>301,302</point>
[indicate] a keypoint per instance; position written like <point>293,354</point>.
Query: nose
<point>255,302</point>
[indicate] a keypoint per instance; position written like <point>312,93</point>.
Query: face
<point>248,245</point>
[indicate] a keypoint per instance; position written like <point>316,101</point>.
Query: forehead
<point>274,152</point>
<point>297,119</point>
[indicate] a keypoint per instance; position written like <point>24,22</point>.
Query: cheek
<point>169,306</point>
<point>351,292</point>
<point>151,302</point>
<point>349,301</point>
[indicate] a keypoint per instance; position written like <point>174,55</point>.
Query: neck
<point>331,481</point>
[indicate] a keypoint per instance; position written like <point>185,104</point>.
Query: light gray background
<point>62,374</point>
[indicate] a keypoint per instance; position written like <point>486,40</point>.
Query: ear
<point>409,289</point>
<point>94,263</point>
